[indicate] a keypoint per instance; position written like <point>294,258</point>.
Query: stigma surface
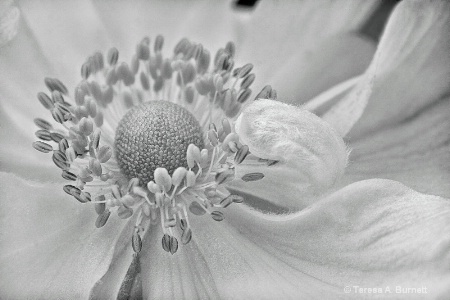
<point>155,134</point>
<point>126,151</point>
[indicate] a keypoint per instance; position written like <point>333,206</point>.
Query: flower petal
<point>311,155</point>
<point>411,67</point>
<point>184,275</point>
<point>415,152</point>
<point>109,284</point>
<point>374,233</point>
<point>302,48</point>
<point>206,22</point>
<point>9,21</point>
<point>50,247</point>
<point>17,155</point>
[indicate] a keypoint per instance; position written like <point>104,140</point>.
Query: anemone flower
<point>158,176</point>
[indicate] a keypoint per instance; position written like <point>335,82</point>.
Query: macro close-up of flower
<point>224,149</point>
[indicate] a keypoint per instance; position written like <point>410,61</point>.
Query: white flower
<point>344,222</point>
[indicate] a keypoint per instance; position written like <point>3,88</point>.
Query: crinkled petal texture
<point>374,233</point>
<point>49,245</point>
<point>311,155</point>
<point>304,47</point>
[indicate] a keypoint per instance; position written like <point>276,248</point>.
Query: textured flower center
<point>163,161</point>
<point>155,134</point>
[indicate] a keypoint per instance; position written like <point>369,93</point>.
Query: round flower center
<point>155,134</point>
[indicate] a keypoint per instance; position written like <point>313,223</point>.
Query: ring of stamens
<point>160,160</point>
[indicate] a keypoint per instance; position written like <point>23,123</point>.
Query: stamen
<point>150,157</point>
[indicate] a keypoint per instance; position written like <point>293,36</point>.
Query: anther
<point>43,124</point>
<point>70,154</point>
<point>244,95</point>
<point>102,219</point>
<point>60,160</point>
<point>196,209</point>
<point>217,216</point>
<point>96,138</point>
<point>42,147</point>
<point>153,187</point>
<point>178,175</point>
<point>189,94</point>
<point>245,70</point>
<point>68,175</point>
<point>113,56</point>
<point>100,207</point>
<point>224,176</point>
<point>86,126</point>
<point>111,77</point>
<point>56,137</point>
<point>58,115</point>
<point>142,51</point>
<point>85,70</point>
<point>54,84</point>
<point>212,136</point>
<point>136,242</point>
<point>144,81</point>
<point>230,48</point>
<point>98,61</point>
<point>241,154</point>
<point>43,135</point>
<point>252,177</point>
<point>166,69</point>
<point>124,212</point>
<point>163,179</point>
<point>265,93</point>
<point>99,119</point>
<point>57,97</point>
<point>247,81</point>
<point>192,155</point>
<point>231,137</point>
<point>186,236</point>
<point>203,61</point>
<point>159,42</point>
<point>45,100</point>
<point>95,167</point>
<point>190,178</point>
<point>134,66</point>
<point>71,190</point>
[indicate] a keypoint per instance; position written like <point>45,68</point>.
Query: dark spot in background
<point>374,26</point>
<point>245,4</point>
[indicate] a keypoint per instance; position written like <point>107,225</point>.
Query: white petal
<point>311,154</point>
<point>206,22</point>
<point>50,247</point>
<point>9,21</point>
<point>184,275</point>
<point>19,157</point>
<point>415,152</point>
<point>302,48</point>
<point>411,67</point>
<point>374,233</point>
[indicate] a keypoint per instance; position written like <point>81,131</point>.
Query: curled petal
<point>305,146</point>
<point>410,70</point>
<point>415,152</point>
<point>374,233</point>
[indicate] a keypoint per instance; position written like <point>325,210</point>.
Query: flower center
<point>155,134</point>
<point>162,161</point>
